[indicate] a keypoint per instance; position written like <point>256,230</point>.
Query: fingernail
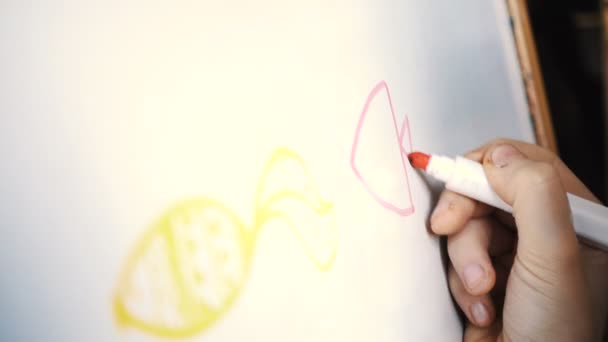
<point>479,313</point>
<point>473,276</point>
<point>504,154</point>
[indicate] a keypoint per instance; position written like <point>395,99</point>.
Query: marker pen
<point>467,177</point>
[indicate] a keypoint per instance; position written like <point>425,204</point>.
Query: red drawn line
<point>405,126</point>
<point>399,137</point>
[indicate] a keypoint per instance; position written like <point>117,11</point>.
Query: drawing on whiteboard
<point>383,173</point>
<point>189,267</point>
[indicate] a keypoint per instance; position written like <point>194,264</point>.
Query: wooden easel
<point>531,74</point>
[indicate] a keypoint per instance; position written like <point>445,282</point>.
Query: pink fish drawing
<point>372,160</point>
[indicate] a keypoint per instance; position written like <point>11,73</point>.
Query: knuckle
<point>538,174</point>
<point>458,246</point>
<point>454,281</point>
<point>452,246</point>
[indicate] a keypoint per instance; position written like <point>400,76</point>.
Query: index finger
<point>571,183</point>
<point>453,210</point>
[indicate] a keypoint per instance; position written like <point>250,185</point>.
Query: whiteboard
<point>221,171</point>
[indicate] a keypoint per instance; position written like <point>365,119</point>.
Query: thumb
<point>540,206</point>
<point>546,292</point>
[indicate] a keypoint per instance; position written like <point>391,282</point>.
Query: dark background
<point>569,40</point>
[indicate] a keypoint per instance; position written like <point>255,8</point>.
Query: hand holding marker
<point>521,276</point>
<point>467,177</point>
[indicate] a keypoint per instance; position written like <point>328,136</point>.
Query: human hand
<point>523,276</point>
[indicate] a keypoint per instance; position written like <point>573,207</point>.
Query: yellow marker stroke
<point>190,265</point>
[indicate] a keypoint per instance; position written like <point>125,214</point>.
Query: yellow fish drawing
<point>188,268</point>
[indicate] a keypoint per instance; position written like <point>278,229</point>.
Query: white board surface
<point>234,170</point>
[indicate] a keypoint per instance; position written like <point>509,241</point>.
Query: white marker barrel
<point>465,177</point>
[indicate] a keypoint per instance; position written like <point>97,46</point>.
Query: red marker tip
<point>419,160</point>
